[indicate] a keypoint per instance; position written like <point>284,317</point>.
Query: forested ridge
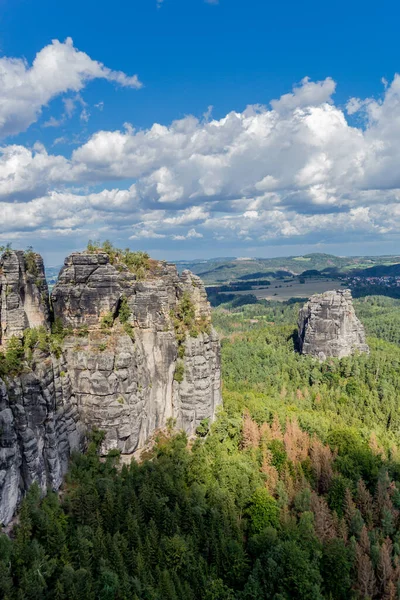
<point>294,491</point>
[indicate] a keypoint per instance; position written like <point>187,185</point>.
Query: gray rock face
<point>126,386</point>
<point>87,288</point>
<point>40,426</point>
<point>197,397</point>
<point>24,295</point>
<point>121,380</point>
<point>328,326</point>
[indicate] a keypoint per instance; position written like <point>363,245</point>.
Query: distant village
<point>392,281</point>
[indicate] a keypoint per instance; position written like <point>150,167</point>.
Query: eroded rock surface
<point>328,326</point>
<point>125,384</point>
<point>121,377</point>
<point>39,427</point>
<point>24,295</point>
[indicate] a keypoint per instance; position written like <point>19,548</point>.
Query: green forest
<point>226,270</point>
<point>292,493</point>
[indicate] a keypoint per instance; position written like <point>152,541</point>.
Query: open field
<point>295,289</point>
<point>227,270</point>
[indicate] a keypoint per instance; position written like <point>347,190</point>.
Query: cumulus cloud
<point>191,234</point>
<point>243,154</point>
<point>146,234</point>
<point>297,170</point>
<point>26,173</point>
<point>308,93</point>
<point>194,214</point>
<point>58,68</point>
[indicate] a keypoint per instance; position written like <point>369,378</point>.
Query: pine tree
<point>276,429</point>
<point>364,502</point>
<point>324,523</point>
<point>385,570</point>
<point>251,433</point>
<point>297,442</point>
<point>349,507</point>
<point>321,461</point>
<point>366,583</point>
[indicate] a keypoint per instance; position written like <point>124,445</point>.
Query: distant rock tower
<point>328,326</point>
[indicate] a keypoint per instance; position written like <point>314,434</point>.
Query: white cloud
<point>191,234</point>
<point>193,214</point>
<point>53,122</point>
<point>85,115</point>
<point>308,93</point>
<point>296,171</point>
<point>146,234</point>
<point>28,173</point>
<point>70,105</point>
<point>60,140</point>
<point>354,105</point>
<point>58,68</point>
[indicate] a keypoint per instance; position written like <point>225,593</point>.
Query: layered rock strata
<point>328,326</point>
<point>39,427</point>
<point>126,384</point>
<point>125,374</point>
<point>24,295</point>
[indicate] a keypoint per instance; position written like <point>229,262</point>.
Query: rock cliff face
<point>328,326</point>
<point>125,383</point>
<point>130,359</point>
<point>24,296</point>
<point>39,427</point>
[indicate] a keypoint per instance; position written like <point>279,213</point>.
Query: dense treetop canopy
<point>294,491</point>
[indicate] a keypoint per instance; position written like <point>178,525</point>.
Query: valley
<point>223,270</point>
<point>284,290</point>
<point>293,479</point>
<point>199,300</point>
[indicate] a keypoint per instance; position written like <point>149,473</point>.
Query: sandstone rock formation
<point>126,374</point>
<point>39,427</point>
<point>328,326</point>
<point>126,386</point>
<point>24,296</point>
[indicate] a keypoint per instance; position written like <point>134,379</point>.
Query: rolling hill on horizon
<point>221,270</point>
<point>226,269</point>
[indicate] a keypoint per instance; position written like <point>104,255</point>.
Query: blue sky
<point>252,128</point>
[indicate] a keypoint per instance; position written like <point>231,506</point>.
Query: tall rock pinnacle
<point>134,348</point>
<point>24,296</point>
<point>129,385</point>
<point>328,326</point>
